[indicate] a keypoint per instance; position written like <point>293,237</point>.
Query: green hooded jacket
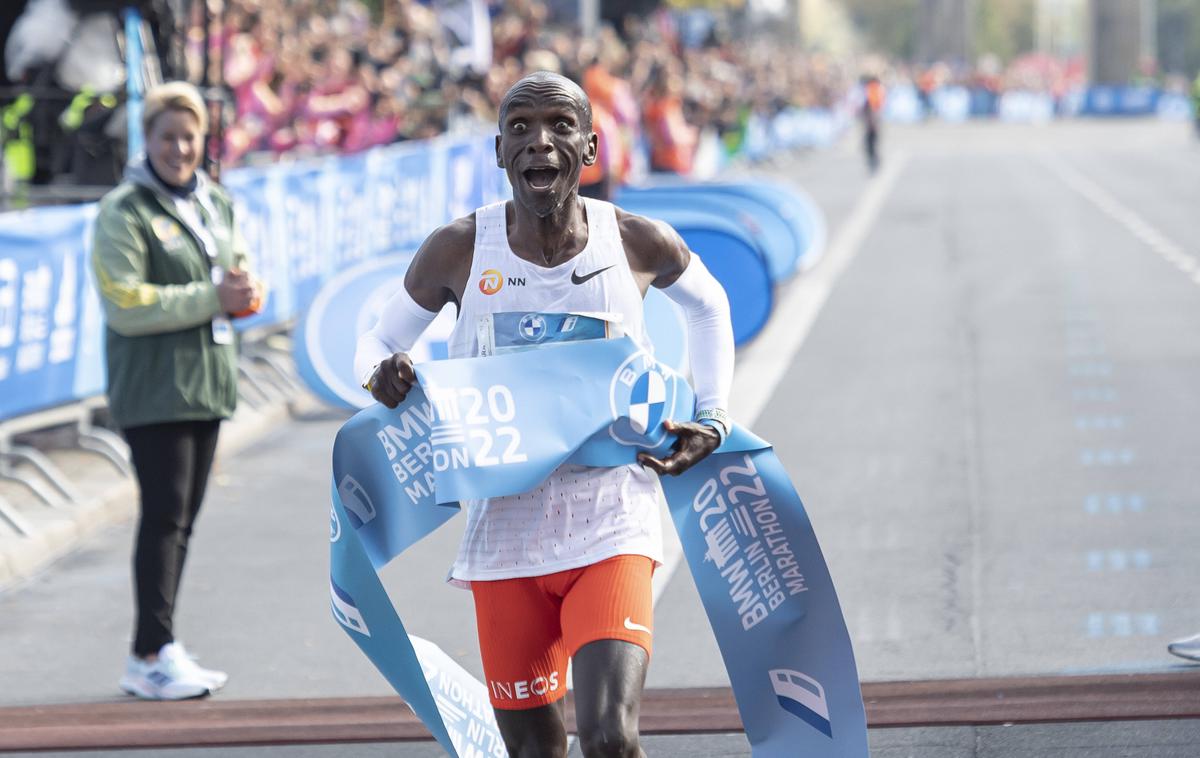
<point>155,280</point>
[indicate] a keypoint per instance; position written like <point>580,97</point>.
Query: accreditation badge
<point>222,329</point>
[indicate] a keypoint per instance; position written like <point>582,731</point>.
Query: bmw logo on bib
<point>641,395</point>
<point>532,327</point>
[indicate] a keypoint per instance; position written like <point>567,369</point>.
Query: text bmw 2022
<point>472,427</point>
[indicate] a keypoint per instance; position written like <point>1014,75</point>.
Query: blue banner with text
<point>499,425</point>
<point>304,222</point>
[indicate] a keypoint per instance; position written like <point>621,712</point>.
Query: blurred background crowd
<point>321,75</point>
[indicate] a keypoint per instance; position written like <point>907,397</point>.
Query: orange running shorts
<point>528,627</point>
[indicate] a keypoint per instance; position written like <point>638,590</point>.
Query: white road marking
<point>1170,251</point>
<point>762,364</point>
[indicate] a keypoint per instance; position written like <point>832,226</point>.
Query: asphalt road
<point>992,422</point>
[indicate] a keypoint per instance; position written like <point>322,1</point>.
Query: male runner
<point>564,570</point>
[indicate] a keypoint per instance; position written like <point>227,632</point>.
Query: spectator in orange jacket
<point>672,139</point>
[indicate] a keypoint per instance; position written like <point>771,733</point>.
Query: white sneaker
<point>160,680</point>
<point>186,663</point>
<point>1189,648</point>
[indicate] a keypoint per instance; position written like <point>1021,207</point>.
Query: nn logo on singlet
<point>493,281</point>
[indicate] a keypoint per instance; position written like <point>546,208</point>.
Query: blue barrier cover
<point>748,542</point>
<point>796,208</point>
<point>732,257</point>
<point>802,216</point>
<point>766,227</point>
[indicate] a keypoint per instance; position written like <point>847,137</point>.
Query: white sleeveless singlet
<point>579,515</point>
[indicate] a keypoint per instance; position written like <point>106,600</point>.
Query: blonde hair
<point>173,96</point>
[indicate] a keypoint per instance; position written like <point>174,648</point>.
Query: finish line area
<point>1103,715</point>
<point>1009,574</point>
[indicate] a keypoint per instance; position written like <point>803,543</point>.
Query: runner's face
<point>543,145</point>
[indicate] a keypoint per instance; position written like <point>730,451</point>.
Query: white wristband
<point>717,418</point>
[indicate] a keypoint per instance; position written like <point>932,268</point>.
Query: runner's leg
<point>524,663</point>
<point>609,676</point>
<point>607,619</point>
<point>534,733</point>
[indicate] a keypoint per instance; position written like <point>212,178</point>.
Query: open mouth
<point>540,178</point>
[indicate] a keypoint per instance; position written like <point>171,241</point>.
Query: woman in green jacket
<point>171,269</point>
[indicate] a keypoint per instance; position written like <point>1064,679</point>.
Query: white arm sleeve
<point>710,333</point>
<point>399,326</point>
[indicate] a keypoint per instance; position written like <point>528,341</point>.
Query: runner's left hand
<point>694,442</point>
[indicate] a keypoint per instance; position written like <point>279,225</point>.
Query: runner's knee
<point>610,738</point>
<point>533,749</point>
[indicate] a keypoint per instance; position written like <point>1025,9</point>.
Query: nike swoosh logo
<point>577,279</point>
<point>636,627</point>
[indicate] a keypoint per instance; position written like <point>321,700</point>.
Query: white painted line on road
<point>761,365</point>
<point>1122,214</point>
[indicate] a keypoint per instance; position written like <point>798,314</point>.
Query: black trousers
<point>172,461</point>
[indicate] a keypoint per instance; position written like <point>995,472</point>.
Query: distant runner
<point>872,114</point>
<point>562,571</point>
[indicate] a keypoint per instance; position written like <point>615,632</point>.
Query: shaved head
<point>541,86</point>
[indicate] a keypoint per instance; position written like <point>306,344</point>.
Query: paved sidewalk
<point>107,496</point>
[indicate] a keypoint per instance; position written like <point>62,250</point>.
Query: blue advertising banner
<point>303,222</point>
<point>306,222</point>
<point>51,325</point>
<point>1113,100</point>
<point>499,425</point>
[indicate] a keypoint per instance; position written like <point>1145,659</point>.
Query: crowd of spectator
<point>320,76</point>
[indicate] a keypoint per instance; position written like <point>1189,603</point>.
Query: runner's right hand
<point>392,380</point>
